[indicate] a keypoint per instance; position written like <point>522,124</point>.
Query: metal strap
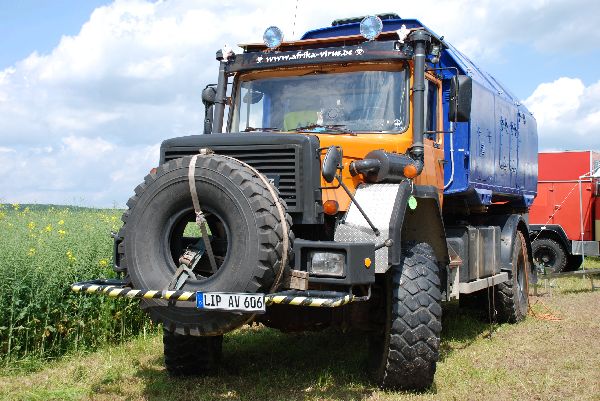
<point>200,219</point>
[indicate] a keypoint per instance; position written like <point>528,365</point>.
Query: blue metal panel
<point>495,154</point>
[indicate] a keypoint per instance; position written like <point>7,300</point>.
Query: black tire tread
<point>187,355</point>
<point>258,196</point>
<point>416,321</point>
<point>506,293</point>
<point>561,263</point>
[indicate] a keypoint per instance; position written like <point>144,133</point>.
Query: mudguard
<point>554,231</point>
<point>422,224</point>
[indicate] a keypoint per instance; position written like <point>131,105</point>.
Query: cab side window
<point>431,102</point>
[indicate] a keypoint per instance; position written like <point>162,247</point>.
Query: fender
<point>553,231</point>
<point>422,224</point>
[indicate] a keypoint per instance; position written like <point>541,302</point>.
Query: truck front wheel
<point>403,354</point>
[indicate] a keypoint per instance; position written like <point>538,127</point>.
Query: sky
<point>89,89</point>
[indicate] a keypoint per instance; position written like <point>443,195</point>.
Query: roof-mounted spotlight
<point>371,27</point>
<point>272,37</point>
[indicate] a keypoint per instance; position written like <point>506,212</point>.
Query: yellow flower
<point>70,256</point>
<point>31,225</point>
<point>2,215</point>
<point>61,222</point>
<point>61,232</point>
<point>31,251</point>
<point>103,262</point>
<point>16,206</point>
<point>48,227</point>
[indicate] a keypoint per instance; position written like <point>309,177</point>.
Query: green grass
<point>58,345</point>
<point>43,251</point>
<point>537,359</point>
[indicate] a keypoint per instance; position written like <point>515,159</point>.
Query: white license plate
<point>231,301</point>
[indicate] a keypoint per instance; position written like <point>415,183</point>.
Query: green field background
<point>43,250</point>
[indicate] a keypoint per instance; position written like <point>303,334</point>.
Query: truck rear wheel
<point>550,255</point>
<point>245,229</point>
<point>512,296</point>
<point>187,355</point>
<point>403,354</point>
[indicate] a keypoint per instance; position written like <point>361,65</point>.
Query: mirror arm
<point>220,98</point>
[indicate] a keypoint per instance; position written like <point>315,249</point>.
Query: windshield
<point>357,101</point>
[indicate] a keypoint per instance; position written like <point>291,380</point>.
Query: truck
<point>354,179</point>
<point>565,216</point>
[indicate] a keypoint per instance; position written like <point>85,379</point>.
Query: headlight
<point>327,263</point>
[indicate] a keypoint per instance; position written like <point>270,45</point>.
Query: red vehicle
<point>565,216</point>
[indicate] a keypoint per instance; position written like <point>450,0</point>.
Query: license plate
<point>231,301</point>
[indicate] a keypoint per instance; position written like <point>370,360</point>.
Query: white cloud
<point>82,171</point>
<point>133,77</point>
<point>568,114</point>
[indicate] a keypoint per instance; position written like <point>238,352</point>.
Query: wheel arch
<point>421,224</point>
<point>550,231</point>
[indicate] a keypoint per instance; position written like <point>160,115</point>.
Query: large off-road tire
<point>549,255</point>
<point>512,297</point>
<point>403,354</point>
<point>246,236</point>
<point>187,355</point>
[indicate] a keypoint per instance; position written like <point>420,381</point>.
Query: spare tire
<point>246,236</point>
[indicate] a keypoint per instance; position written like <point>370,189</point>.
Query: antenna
<point>295,15</point>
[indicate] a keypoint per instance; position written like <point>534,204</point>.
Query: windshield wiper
<point>263,129</point>
<point>324,128</point>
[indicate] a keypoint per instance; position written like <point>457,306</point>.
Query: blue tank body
<point>494,154</point>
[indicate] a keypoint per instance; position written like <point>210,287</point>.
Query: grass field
<point>554,356</point>
<point>57,345</point>
<point>43,250</point>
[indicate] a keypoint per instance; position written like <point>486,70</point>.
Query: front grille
<point>271,160</point>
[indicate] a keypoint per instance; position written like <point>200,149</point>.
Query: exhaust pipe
<point>421,40</point>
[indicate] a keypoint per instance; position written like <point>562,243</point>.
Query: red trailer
<point>565,216</point>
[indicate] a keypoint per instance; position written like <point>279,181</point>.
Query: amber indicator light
<point>331,207</point>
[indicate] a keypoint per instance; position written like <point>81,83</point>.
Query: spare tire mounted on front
<point>247,237</point>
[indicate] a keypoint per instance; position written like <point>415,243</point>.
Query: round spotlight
<point>272,37</point>
<point>371,27</point>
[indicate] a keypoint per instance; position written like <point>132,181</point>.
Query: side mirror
<point>209,95</point>
<point>461,92</point>
<point>331,163</point>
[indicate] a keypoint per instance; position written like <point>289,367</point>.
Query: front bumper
<point>119,288</point>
